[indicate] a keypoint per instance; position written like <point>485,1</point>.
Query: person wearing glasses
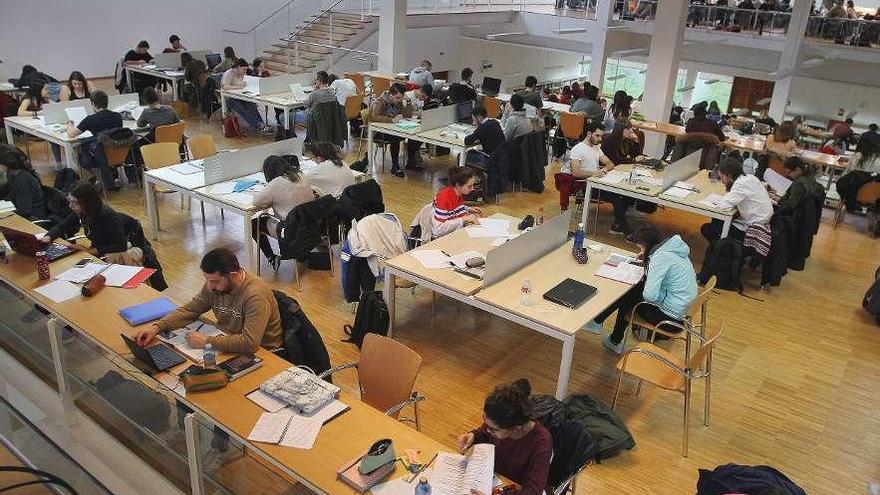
<point>522,446</point>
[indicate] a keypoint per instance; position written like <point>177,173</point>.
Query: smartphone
<point>83,262</point>
<point>240,365</point>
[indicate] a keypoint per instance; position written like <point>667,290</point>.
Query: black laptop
<point>464,112</point>
<point>570,293</point>
<point>213,60</point>
<point>159,357</point>
<point>490,86</point>
<point>28,244</point>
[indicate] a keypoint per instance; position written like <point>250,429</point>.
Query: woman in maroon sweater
<point>522,447</point>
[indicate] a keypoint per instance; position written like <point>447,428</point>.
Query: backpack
<point>606,428</point>
<point>361,165</point>
<point>724,259</point>
<point>871,302</point>
<point>65,179</point>
<point>231,128</point>
<point>371,317</point>
<point>303,345</point>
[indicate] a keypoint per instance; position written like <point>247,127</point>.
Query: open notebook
<point>457,474</point>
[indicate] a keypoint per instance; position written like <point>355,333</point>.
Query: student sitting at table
<point>245,308</point>
<point>38,95</point>
<point>422,74</point>
<point>77,87</point>
<point>565,95</point>
<point>155,114</point>
<point>514,121</point>
<point>701,123</point>
<point>863,167</point>
<point>746,194</point>
<point>585,160</point>
<point>416,98</point>
<point>331,176</point>
<point>523,447</point>
<point>803,185</point>
<point>387,108</point>
<point>450,212</point>
<point>322,92</point>
<point>102,225</point>
<point>286,189</point>
<point>234,79</point>
<point>258,69</point>
<point>344,87</point>
<point>140,56</point>
<point>464,89</point>
<point>30,75</point>
<point>588,105</point>
<point>176,45</point>
<point>22,183</point>
<point>782,140</point>
<point>619,110</point>
<point>488,135</point>
<point>230,60</point>
<point>670,285</point>
<point>531,95</point>
<point>92,155</point>
<point>622,146</point>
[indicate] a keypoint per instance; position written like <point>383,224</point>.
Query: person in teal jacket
<point>670,285</point>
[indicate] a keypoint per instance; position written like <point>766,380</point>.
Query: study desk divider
<point>438,117</point>
<point>55,113</point>
<point>116,101</point>
<point>682,169</point>
<point>226,166</point>
<point>526,248</point>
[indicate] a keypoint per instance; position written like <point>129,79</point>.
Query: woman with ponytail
<point>522,446</point>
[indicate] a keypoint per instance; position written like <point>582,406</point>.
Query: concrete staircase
<point>347,29</point>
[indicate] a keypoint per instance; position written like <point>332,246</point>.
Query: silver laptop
<point>167,61</point>
<point>54,113</point>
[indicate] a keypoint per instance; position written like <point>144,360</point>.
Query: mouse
<point>475,262</point>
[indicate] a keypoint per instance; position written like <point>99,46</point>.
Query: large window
<point>713,87</point>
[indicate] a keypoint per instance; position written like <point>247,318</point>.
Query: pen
<point>413,477</point>
<point>446,254</point>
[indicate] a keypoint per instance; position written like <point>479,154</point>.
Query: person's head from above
<point>77,81</point>
<point>222,271</point>
<point>797,121</point>
<point>229,53</point>
<point>466,74</point>
<point>850,4</point>
<point>321,79</point>
<point>594,132</point>
<point>592,92</point>
<point>324,151</point>
<point>462,180</point>
<point>797,167</point>
<point>621,132</point>
<point>872,127</point>
<point>575,85</point>
<point>150,96</point>
<point>426,64</point>
<point>566,90</point>
<point>142,47</point>
<point>241,67</point>
<point>516,102</point>
<point>424,92</point>
<point>85,200</point>
<point>545,92</point>
<point>257,64</point>
<point>621,99</point>
<point>99,100</point>
<point>279,166</point>
<point>331,78</point>
<point>507,411</point>
<point>713,105</point>
<point>479,114</point>
<point>577,92</point>
<point>784,132</point>
<point>603,103</point>
<point>647,237</point>
<point>848,122</point>
<point>28,69</point>
<point>185,59</point>
<point>531,82</point>
<point>175,42</point>
<point>13,160</point>
<point>38,93</point>
<point>700,110</point>
<point>729,170</point>
<point>677,110</point>
<point>396,92</point>
<point>746,155</point>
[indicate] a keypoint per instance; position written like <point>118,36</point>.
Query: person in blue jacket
<point>670,285</point>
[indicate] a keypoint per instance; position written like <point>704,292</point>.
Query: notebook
<point>350,474</point>
<point>148,311</point>
<point>570,293</point>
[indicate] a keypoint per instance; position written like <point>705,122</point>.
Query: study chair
<point>492,106</point>
<point>868,196</point>
<point>387,374</point>
<point>652,364</point>
<point>359,81</point>
<point>158,155</point>
<point>171,133</point>
<point>353,106</point>
<point>325,239</point>
<point>572,126</point>
<point>380,85</point>
<point>377,142</point>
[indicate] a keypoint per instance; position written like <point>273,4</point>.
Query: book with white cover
<point>457,474</point>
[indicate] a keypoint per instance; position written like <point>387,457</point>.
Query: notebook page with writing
<point>480,471</point>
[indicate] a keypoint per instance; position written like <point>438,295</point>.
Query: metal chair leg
<point>296,274</point>
<point>202,207</point>
<point>708,399</point>
<point>617,390</point>
<point>687,407</point>
<point>416,414</point>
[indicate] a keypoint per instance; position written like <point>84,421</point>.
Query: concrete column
<point>663,67</point>
<point>392,36</point>
<point>690,79</point>
<point>600,52</point>
<point>788,61</point>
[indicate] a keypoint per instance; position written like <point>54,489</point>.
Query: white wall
<point>512,63</point>
<point>435,44</point>
<point>819,100</point>
<point>58,36</point>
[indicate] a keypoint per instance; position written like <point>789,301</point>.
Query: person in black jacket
<point>488,134</point>
<point>24,187</point>
<point>30,75</point>
<point>102,225</point>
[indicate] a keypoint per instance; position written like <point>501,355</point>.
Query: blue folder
<point>148,311</point>
<point>244,185</point>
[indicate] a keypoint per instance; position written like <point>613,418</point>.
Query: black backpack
<point>361,165</point>
<point>303,345</point>
<point>724,259</point>
<point>65,179</point>
<point>871,302</point>
<point>371,317</point>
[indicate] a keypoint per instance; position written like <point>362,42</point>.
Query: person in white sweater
<point>331,176</point>
<point>286,189</point>
<point>746,195</point>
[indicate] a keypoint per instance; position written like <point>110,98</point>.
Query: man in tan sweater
<point>245,308</point>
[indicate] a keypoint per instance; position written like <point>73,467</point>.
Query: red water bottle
<point>43,265</point>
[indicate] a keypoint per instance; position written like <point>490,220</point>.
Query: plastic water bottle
<point>210,357</point>
<point>526,292</point>
<point>423,487</point>
<point>874,488</point>
<point>540,219</point>
<point>579,235</point>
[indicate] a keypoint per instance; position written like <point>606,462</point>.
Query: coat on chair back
<point>303,345</point>
<point>301,231</point>
<point>359,200</point>
<point>327,124</point>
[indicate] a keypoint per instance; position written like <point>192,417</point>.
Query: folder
<point>148,311</point>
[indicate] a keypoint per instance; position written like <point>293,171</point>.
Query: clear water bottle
<point>540,219</point>
<point>526,292</point>
<point>874,488</point>
<point>579,235</point>
<point>210,357</point>
<point>423,487</point>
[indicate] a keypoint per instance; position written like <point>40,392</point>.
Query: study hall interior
<point>549,246</point>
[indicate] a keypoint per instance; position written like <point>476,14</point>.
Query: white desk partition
<point>526,248</point>
<point>54,113</point>
<point>438,117</point>
<point>167,60</point>
<point>682,169</point>
<point>198,55</point>
<point>124,100</point>
<point>232,165</point>
<point>276,84</point>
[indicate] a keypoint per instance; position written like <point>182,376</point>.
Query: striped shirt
<point>448,205</point>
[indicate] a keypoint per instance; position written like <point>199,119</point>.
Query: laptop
<point>160,357</point>
<point>570,293</point>
<point>167,61</point>
<point>28,244</point>
<point>212,59</point>
<point>490,86</point>
<point>463,111</point>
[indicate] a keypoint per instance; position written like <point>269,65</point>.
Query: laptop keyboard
<point>164,357</point>
<point>55,251</point>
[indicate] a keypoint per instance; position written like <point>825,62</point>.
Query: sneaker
<point>275,263</point>
<point>611,346</point>
<point>267,130</point>
<point>616,230</point>
<point>397,172</point>
<point>593,327</point>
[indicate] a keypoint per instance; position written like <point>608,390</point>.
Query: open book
<point>457,474</point>
<point>177,339</point>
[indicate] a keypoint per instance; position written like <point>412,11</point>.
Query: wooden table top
<point>705,187</point>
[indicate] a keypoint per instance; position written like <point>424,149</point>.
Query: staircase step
<point>281,55</point>
<point>312,38</point>
<point>302,48</point>
<point>340,21</point>
<point>325,28</point>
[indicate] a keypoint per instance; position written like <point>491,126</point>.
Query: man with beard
<point>243,304</point>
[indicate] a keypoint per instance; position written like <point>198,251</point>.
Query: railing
<point>359,55</point>
<point>854,32</point>
<point>713,17</point>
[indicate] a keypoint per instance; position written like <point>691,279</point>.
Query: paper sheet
<point>266,401</point>
<point>677,192</point>
<point>76,114</point>
<point>298,93</point>
<point>79,275</point>
<point>244,198</point>
<point>301,432</point>
<point>188,168</point>
<point>118,275</point>
<point>482,231</point>
<point>777,181</point>
<point>399,486</point>
<point>654,181</point>
<point>59,290</point>
<point>432,259</point>
<point>251,85</point>
<point>499,241</point>
<point>500,225</point>
<point>460,259</point>
<point>328,412</point>
<point>457,474</point>
<point>684,185</point>
<point>270,427</point>
<point>624,272</point>
<point>137,111</point>
<point>615,259</point>
<point>711,200</point>
<point>177,339</point>
<point>614,177</point>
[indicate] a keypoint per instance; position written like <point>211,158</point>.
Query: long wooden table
<point>446,136</point>
<point>341,440</point>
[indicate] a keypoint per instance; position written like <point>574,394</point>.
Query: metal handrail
<point>319,16</point>
<point>353,50</point>
<point>251,30</point>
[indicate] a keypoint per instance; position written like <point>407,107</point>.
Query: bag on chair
<point>231,128</point>
<point>371,317</point>
<point>724,259</point>
<point>871,302</point>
